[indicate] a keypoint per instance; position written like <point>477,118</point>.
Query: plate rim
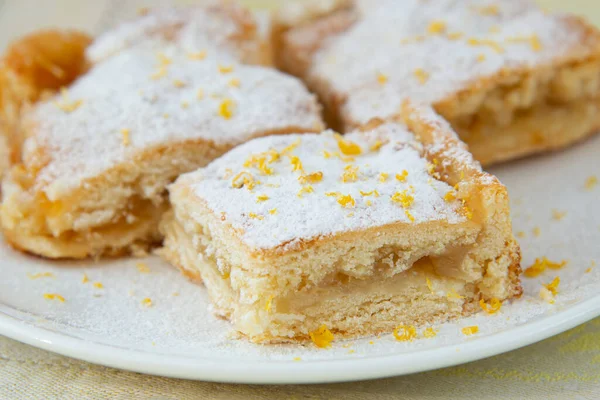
<point>303,372</point>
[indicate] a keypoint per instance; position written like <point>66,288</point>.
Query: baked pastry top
<point>223,29</point>
<point>284,192</point>
<point>483,65</point>
<point>139,99</point>
<point>393,224</point>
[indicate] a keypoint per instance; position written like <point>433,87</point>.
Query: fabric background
<point>563,367</point>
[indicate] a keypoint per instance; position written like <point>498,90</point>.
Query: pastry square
<point>98,156</point>
<point>511,79</point>
<point>392,225</point>
<point>218,28</point>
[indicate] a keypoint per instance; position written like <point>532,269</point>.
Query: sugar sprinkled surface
<point>218,28</point>
<point>307,210</point>
<point>136,91</point>
<point>182,326</point>
<point>395,41</point>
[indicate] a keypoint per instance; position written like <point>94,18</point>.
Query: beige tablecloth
<point>564,367</point>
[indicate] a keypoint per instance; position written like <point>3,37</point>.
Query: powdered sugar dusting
<point>428,50</point>
<point>222,29</point>
<point>161,99</point>
<point>330,193</point>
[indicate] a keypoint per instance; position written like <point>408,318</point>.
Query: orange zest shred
<point>489,10</point>
<point>383,177</point>
<point>54,296</point>
<point>178,83</point>
<point>261,198</point>
<point>85,279</point>
<point>142,267</point>
<point>421,75</point>
<point>322,337</point>
<point>226,108</point>
<point>291,147</point>
<point>197,56</point>
<point>255,216</point>
<point>40,275</point>
<point>591,182</point>
<point>403,198</point>
<point>481,57</point>
<point>315,177</point>
<point>347,147</point>
<point>350,174</point>
<point>470,330</point>
<point>410,217</point>
<point>552,287</point>
<point>486,42</point>
<point>558,215</point>
<point>234,82</point>
<point>402,177</point>
<point>450,196</point>
<point>269,304</point>
<point>453,295</point>
<point>377,145</point>
<point>243,179</point>
<point>225,69</point>
<point>455,35</point>
<point>273,211</point>
<point>98,285</point>
<point>492,307</point>
<point>436,27</point>
<point>147,302</point>
<point>405,333</point>
<point>125,135</point>
<point>537,231</point>
<point>66,104</point>
<point>429,333</point>
<point>296,163</point>
<point>305,189</point>
<point>382,79</point>
<point>200,94</point>
<point>541,264</point>
<point>346,201</point>
<point>429,285</point>
<point>371,193</point>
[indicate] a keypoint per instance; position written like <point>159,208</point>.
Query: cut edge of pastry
<point>33,68</point>
<point>504,111</point>
<point>131,202</point>
<point>268,312</point>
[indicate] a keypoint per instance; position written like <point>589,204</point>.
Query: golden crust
<point>32,67</point>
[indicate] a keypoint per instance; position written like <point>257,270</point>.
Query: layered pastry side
<point>511,79</point>
<point>99,155</point>
<point>395,224</point>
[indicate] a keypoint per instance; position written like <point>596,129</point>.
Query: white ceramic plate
<point>179,337</point>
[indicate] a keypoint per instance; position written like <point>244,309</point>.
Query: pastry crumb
<point>54,296</point>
